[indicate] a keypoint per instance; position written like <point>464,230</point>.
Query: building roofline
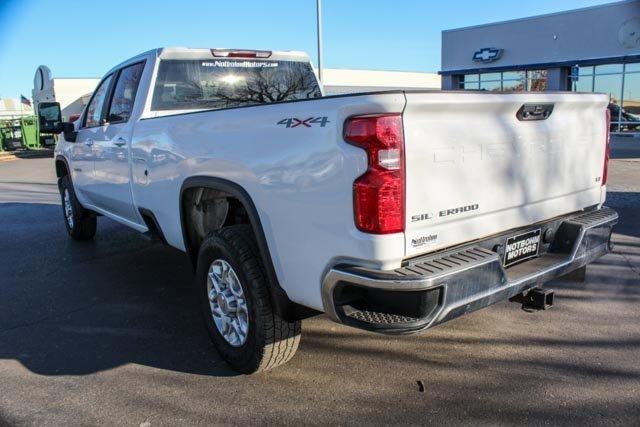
<point>545,15</point>
<point>366,70</point>
<point>590,61</point>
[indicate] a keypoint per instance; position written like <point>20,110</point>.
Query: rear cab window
<point>219,83</point>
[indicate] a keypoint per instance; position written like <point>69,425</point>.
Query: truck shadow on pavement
<point>75,308</point>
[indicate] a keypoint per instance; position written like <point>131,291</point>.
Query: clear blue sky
<point>86,38</point>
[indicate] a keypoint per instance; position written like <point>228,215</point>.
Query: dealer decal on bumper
<point>522,247</point>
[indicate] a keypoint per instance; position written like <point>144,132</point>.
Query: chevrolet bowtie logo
<point>487,54</point>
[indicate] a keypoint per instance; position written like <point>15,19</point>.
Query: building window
<point>630,112</point>
<point>622,83</point>
<point>537,80</point>
<point>491,82</point>
<point>514,81</point>
<point>470,82</point>
<point>534,80</point>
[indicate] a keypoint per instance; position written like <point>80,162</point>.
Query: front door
<point>82,152</point>
<point>112,178</point>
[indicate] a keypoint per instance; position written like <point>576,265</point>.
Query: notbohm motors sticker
<point>522,247</point>
<point>240,64</point>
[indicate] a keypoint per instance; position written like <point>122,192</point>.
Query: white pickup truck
<point>391,211</point>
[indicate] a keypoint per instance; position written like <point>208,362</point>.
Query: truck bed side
<point>299,178</point>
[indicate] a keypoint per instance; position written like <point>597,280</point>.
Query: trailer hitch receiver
<point>535,299</point>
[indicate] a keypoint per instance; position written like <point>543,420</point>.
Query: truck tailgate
<point>474,169</point>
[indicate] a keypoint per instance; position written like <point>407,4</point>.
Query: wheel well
<point>205,210</point>
<point>61,168</point>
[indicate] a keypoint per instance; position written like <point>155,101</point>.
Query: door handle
<point>89,142</point>
<point>120,141</point>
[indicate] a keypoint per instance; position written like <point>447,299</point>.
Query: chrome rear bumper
<point>449,284</point>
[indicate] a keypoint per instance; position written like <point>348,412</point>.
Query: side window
<point>96,105</point>
<point>124,94</point>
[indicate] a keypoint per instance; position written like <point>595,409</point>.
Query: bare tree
<point>263,85</point>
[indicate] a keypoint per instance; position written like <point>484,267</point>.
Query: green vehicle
<point>10,134</point>
<point>31,132</point>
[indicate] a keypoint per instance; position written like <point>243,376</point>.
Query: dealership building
<point>595,49</point>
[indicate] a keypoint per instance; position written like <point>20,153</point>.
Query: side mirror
<point>69,131</point>
<point>50,117</point>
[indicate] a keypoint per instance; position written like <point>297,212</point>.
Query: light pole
<point>319,26</point>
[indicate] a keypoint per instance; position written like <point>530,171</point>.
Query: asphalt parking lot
<point>107,332</point>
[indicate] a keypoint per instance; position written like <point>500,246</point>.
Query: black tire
<point>83,223</point>
<point>271,341</point>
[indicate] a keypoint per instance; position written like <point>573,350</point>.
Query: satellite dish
<point>42,80</point>
<point>629,34</point>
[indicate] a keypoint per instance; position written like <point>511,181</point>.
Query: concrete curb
<point>6,156</point>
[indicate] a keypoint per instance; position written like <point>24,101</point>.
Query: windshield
<point>225,83</point>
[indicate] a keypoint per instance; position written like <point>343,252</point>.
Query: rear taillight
<point>607,149</point>
<point>378,195</point>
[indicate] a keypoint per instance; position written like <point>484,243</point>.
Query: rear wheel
<point>235,302</point>
<point>80,223</point>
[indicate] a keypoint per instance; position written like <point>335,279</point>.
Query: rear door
<point>476,167</point>
<point>91,130</point>
<point>112,181</point>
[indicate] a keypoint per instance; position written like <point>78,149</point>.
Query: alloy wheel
<point>228,303</point>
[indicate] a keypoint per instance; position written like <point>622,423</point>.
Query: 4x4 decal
<point>294,122</point>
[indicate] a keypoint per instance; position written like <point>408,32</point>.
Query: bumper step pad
<point>379,319</point>
<point>447,263</point>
